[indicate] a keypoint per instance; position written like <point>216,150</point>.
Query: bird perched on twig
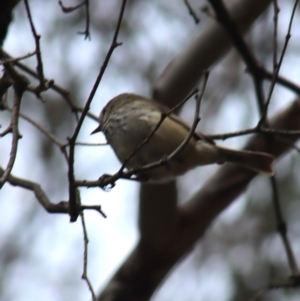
<point>128,119</point>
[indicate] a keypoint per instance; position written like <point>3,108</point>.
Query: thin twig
<point>94,207</point>
<point>195,122</point>
<point>282,81</point>
<point>85,257</point>
<point>60,207</point>
<point>50,136</point>
<point>259,92</point>
<point>275,74</point>
<point>72,141</point>
<point>43,85</point>
<point>282,228</point>
<point>252,64</point>
<point>64,93</point>
<point>69,9</point>
<point>33,73</point>
<point>13,60</point>
<point>191,11</point>
<point>20,84</point>
<point>255,130</point>
<point>15,133</point>
<point>86,32</point>
<point>275,42</point>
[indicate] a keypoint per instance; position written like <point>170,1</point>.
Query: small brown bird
<point>128,119</point>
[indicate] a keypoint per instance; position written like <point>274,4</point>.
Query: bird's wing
<point>196,135</point>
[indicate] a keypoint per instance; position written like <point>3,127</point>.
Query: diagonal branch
<point>72,142</point>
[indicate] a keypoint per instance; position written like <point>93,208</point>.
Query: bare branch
<point>253,66</point>
<point>61,207</point>
<point>64,93</point>
<point>43,85</point>
<point>275,75</point>
<point>86,32</point>
<point>262,130</point>
<point>281,81</point>
<point>195,122</point>
<point>94,207</point>
<point>15,133</point>
<point>275,42</point>
<point>69,9</point>
<point>282,229</point>
<point>85,258</point>
<point>191,11</point>
<point>72,141</point>
<point>13,60</point>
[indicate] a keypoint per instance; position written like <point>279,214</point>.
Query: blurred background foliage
<point>41,254</point>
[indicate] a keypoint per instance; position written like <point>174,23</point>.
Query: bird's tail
<point>256,161</point>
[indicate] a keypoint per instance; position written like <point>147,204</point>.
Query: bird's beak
<point>96,130</point>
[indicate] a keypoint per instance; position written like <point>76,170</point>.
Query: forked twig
<point>13,127</point>
<point>63,92</point>
<point>50,136</point>
<point>43,85</point>
<point>72,141</point>
<point>275,74</point>
<point>86,32</point>
<point>60,207</point>
<point>69,9</point>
